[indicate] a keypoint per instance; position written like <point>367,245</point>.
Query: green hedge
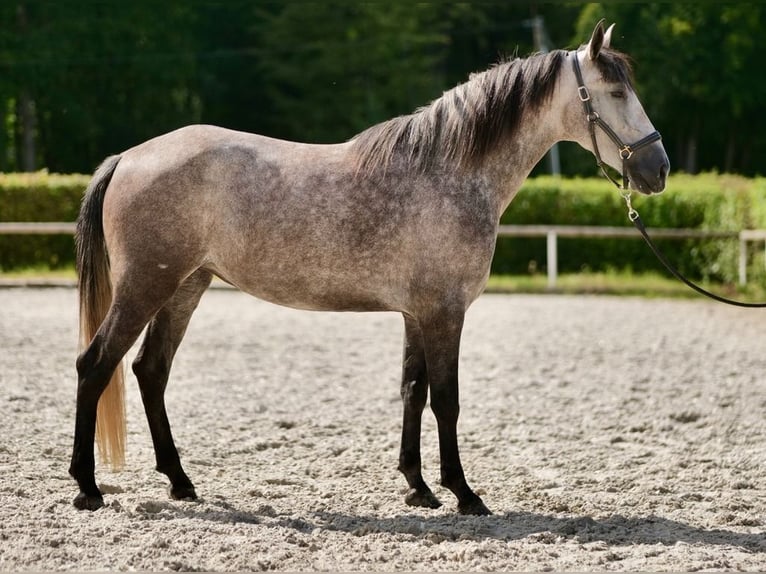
<point>708,201</point>
<point>39,197</point>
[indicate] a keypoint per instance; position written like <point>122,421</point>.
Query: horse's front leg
<point>414,394</point>
<point>441,338</point>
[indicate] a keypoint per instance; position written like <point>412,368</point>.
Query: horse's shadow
<point>615,530</point>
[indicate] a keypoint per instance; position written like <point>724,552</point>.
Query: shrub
<point>707,201</point>
<point>39,197</point>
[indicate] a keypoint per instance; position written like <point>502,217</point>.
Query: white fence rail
<point>36,228</point>
<point>550,232</point>
<point>553,232</point>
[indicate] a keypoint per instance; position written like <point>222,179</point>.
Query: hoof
<point>425,499</point>
<point>183,493</point>
<point>88,501</point>
<point>474,507</point>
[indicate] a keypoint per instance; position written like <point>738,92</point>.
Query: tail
<point>95,291</point>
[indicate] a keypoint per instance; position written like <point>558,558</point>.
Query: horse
<point>402,217</point>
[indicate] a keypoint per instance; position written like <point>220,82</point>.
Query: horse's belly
<point>315,289</point>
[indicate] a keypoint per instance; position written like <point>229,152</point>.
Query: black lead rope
<point>636,219</point>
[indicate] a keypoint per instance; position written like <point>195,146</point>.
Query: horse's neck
<point>539,128</point>
<point>509,165</point>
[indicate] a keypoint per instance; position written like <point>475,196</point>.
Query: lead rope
<point>635,218</point>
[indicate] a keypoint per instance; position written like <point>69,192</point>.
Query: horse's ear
<point>596,40</point>
<point>608,37</point>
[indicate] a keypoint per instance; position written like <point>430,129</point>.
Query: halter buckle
<point>593,117</point>
<point>626,152</point>
<point>582,91</point>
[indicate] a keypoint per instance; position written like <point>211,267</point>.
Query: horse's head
<point>608,119</point>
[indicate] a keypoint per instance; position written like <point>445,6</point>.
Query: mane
<point>467,121</point>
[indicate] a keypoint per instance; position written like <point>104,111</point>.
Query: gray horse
<point>403,217</point>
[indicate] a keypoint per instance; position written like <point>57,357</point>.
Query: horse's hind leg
<point>414,394</point>
<point>95,365</point>
<point>152,369</point>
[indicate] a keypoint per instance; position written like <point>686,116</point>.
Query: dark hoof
<point>88,501</point>
<point>425,499</point>
<point>474,507</point>
<point>183,493</point>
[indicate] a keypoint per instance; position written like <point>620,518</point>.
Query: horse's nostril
<point>664,171</point>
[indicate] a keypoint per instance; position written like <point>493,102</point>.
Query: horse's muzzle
<point>648,169</point>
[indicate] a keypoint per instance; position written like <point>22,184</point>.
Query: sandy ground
<point>605,434</point>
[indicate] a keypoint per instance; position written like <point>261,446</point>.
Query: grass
<point>606,283</point>
<point>620,283</point>
<point>611,283</point>
<point>42,273</point>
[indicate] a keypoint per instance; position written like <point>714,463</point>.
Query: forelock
<point>615,67</point>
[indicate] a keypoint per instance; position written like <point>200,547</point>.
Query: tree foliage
<point>80,80</point>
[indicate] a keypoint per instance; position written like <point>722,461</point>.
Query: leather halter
<point>625,150</point>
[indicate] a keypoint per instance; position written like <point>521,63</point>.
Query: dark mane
<point>465,122</point>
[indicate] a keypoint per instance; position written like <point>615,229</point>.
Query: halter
<point>625,150</point>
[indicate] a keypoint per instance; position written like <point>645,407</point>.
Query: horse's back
<point>215,153</point>
<point>200,174</point>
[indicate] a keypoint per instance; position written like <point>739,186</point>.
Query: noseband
<point>625,150</point>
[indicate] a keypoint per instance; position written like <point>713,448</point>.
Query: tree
<point>332,69</point>
<point>80,80</point>
<point>102,76</point>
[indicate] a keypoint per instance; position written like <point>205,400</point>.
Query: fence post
<point>742,259</point>
<point>552,256</point>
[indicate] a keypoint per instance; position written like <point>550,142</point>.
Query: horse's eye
<point>618,94</point>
